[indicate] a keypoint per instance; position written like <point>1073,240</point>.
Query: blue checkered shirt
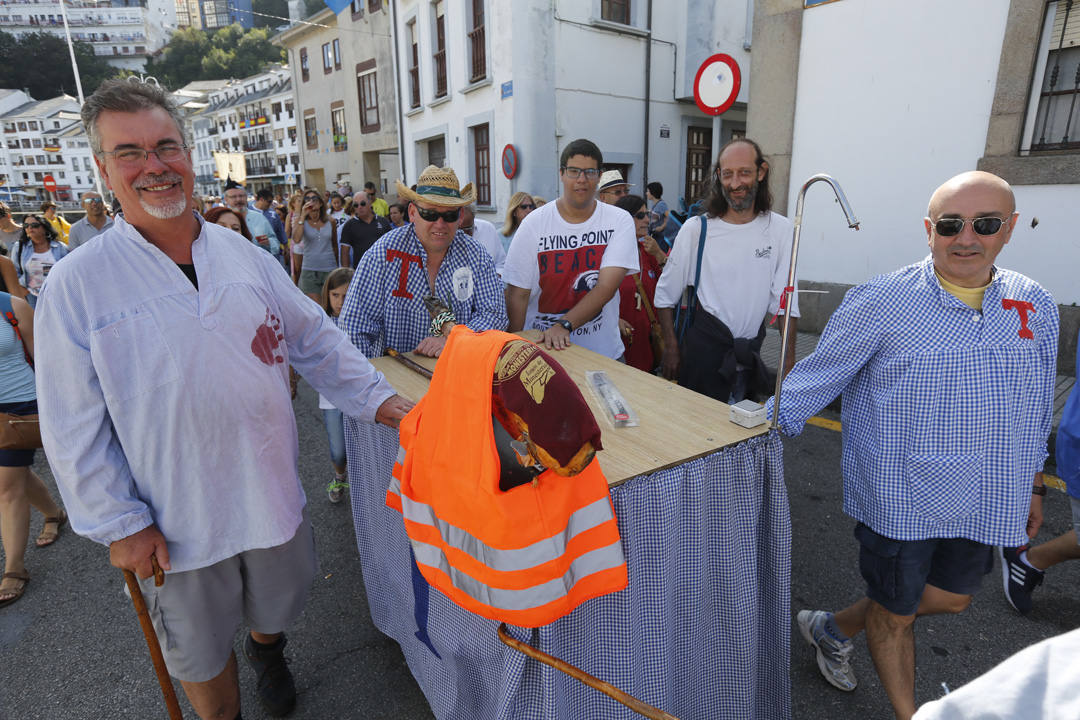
<point>946,409</point>
<point>385,303</point>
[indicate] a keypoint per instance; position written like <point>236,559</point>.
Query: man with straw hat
<point>423,265</point>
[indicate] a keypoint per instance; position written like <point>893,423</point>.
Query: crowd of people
<point>322,280</point>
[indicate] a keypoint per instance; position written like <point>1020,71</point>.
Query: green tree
<point>40,63</point>
<point>229,52</point>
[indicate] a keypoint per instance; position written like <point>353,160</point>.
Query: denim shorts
<point>18,458</point>
<point>897,571</point>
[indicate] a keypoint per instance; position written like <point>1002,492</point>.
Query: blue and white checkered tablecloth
<point>702,631</point>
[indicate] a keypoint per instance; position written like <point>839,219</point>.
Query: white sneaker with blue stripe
<point>833,656</point>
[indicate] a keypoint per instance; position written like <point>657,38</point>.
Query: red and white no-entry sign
<point>49,182</point>
<point>717,84</point>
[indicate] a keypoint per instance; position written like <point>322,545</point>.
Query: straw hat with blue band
<point>438,186</point>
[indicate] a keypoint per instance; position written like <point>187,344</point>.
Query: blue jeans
<point>335,433</point>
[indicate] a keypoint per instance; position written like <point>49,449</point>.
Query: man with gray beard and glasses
<point>743,268</point>
<point>163,386</point>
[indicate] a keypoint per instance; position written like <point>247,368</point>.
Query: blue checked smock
<point>385,303</point>
<point>946,409</point>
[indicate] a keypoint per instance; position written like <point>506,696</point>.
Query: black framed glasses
<point>166,153</point>
<point>950,227</point>
<point>575,172</point>
<point>361,204</point>
<point>526,206</point>
<point>641,214</point>
<point>449,216</point>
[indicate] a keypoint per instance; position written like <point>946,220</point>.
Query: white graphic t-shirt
<point>560,263</point>
<point>37,268</point>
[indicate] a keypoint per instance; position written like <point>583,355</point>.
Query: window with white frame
<point>439,56</point>
<point>477,50</point>
<point>1054,112</point>
<point>368,91</point>
<point>414,66</point>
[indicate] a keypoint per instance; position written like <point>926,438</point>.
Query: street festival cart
<point>702,631</point>
<point>703,628</point>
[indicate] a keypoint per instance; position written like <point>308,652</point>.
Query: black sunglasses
<point>950,227</point>
<point>34,225</point>
<point>527,206</point>
<point>641,215</point>
<point>449,216</point>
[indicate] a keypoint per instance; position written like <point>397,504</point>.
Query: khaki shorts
<point>196,613</point>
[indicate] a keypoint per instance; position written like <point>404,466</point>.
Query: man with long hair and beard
<point>743,271</point>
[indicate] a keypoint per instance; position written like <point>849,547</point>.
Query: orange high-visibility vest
<point>526,556</point>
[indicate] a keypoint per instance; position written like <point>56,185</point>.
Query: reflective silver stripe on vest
<point>591,562</point>
<point>400,456</point>
<point>395,486</point>
<point>551,548</point>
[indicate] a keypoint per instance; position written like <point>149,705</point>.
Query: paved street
<point>72,647</point>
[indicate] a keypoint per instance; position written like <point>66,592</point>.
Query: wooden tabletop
<point>677,424</point>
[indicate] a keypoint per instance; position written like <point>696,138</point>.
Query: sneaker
<point>275,688</point>
<point>833,656</point>
<point>1018,578</point>
<point>336,488</point>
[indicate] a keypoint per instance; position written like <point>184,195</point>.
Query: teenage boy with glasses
<point>947,369</point>
<point>426,263</point>
<point>567,259</point>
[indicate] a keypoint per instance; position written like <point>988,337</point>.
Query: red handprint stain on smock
<point>266,344</point>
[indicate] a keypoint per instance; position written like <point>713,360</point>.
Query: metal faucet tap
<point>789,289</point>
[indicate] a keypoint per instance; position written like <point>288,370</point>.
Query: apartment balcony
<point>260,169</point>
<point>258,146</point>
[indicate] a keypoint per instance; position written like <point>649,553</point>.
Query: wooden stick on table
<point>411,364</point>
<point>608,689</point>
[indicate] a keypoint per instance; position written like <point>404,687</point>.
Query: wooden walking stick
<point>151,637</point>
<point>409,363</point>
<point>580,675</point>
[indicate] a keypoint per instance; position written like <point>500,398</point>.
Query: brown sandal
<point>48,538</point>
<point>25,577</point>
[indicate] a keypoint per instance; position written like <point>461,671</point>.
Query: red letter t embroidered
<point>1023,308</point>
<point>403,276</point>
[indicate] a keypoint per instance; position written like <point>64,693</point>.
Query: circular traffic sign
<point>717,84</point>
<point>49,182</point>
<point>509,161</point>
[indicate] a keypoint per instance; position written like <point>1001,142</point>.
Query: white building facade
<point>255,117</point>
<point>43,139</point>
<point>124,32</point>
<point>479,75</point>
<point>343,75</point>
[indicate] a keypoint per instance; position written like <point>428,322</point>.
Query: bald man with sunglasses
<point>947,371</point>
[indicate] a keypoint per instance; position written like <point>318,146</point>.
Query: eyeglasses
<point>575,172</point>
<point>166,153</point>
<point>949,227</point>
<point>526,206</point>
<point>34,225</point>
<point>97,201</point>
<point>641,215</point>
<point>361,204</point>
<point>449,216</point>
